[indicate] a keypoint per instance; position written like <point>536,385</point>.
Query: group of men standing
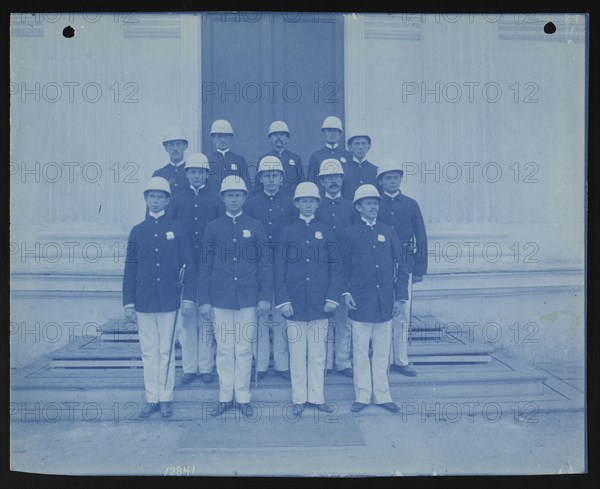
<point>323,262</point>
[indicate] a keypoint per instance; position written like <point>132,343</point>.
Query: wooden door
<point>258,67</point>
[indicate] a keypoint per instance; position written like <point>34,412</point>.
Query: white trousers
<point>235,331</point>
<point>155,332</point>
<point>400,328</point>
<point>371,376</point>
<point>198,347</point>
<point>281,359</point>
<point>307,339</point>
<point>339,339</point>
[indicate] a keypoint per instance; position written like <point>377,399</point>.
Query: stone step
<point>423,326</point>
<point>82,352</point>
<point>497,379</point>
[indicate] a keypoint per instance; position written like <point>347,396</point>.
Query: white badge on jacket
<point>170,235</point>
<point>246,233</point>
<point>318,235</point>
<point>234,167</point>
<point>381,238</point>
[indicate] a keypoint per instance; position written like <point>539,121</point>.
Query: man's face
<point>332,183</point>
<point>234,200</point>
<point>196,176</point>
<point>359,147</point>
<point>307,205</point>
<point>175,149</point>
<point>331,136</point>
<point>222,141</point>
<point>390,181</point>
<point>279,140</point>
<point>271,180</point>
<point>368,207</point>
<point>156,200</point>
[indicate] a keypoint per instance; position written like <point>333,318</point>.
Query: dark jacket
<point>404,216</point>
<point>195,211</point>
<point>375,274</point>
<point>223,166</point>
<point>308,269</point>
<point>156,251</point>
<point>293,173</point>
<point>357,174</point>
<point>314,164</point>
<point>234,269</point>
<point>176,177</point>
<point>339,213</point>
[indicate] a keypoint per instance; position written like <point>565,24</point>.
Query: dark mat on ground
<point>313,429</point>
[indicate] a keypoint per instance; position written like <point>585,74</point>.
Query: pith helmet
<point>196,160</point>
<point>307,189</point>
<point>278,126</point>
<point>332,122</point>
<point>175,134</point>
<point>359,134</point>
<point>270,163</point>
<point>158,183</point>
<point>221,126</point>
<point>365,191</point>
<point>388,166</point>
<point>331,166</point>
<point>233,182</point>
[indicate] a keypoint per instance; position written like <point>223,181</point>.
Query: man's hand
<point>130,314</point>
<point>417,278</point>
<point>187,308</point>
<point>207,313</point>
<point>287,311</point>
<point>263,307</point>
<point>349,300</point>
<point>329,306</point>
<point>398,307</point>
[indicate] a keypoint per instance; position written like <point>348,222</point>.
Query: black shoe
<point>149,408</point>
<point>405,370</point>
<point>357,407</point>
<point>206,378</point>
<point>165,409</point>
<point>261,375</point>
<point>246,409</point>
<point>347,372</point>
<point>325,408</point>
<point>297,409</point>
<point>392,407</point>
<point>188,378</point>
<point>284,374</point>
<point>221,408</point>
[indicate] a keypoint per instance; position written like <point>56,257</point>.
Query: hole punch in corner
<point>549,28</point>
<point>68,32</point>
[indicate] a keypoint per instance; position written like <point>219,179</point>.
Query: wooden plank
<point>102,363</point>
<point>450,359</point>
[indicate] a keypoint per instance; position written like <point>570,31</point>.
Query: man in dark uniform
<point>309,280</point>
<point>235,283</point>
<point>224,162</point>
<point>339,213</point>
<point>293,174</point>
<point>358,171</point>
<point>376,285</point>
<point>175,143</point>
<point>275,210</point>
<point>157,250</point>
<point>195,207</point>
<point>331,131</point>
<point>404,216</point>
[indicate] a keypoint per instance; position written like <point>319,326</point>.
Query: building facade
<point>486,113</point>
